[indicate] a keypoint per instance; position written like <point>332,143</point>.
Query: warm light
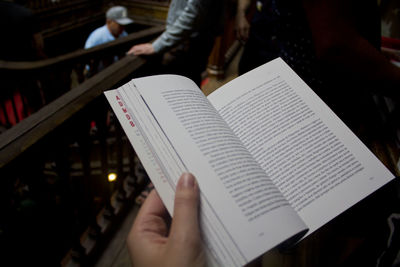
<point>112,177</point>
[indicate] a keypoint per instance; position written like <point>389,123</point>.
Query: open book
<point>271,159</point>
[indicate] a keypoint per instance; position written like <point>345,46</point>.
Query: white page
<point>320,166</point>
<point>233,234</point>
<point>127,114</point>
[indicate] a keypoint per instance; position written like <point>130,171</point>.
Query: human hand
<point>141,49</point>
<point>151,243</point>
<point>242,27</point>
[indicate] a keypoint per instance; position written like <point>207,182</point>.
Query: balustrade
<point>58,203</point>
<point>40,82</point>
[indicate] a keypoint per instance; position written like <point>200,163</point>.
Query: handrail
<point>19,138</point>
<point>43,6</point>
<point>66,164</point>
<point>81,53</point>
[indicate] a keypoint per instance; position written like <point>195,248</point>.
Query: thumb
<point>185,226</point>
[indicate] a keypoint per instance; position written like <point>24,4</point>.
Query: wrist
<point>241,13</point>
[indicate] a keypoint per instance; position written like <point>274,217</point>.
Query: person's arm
<point>90,41</point>
<point>242,26</point>
<point>151,243</point>
<point>183,26</point>
<point>338,44</point>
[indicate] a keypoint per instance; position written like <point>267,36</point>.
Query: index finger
<point>151,218</point>
<point>152,206</point>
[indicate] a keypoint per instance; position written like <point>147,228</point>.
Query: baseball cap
<point>119,14</point>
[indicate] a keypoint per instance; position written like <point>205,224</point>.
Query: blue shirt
<point>100,36</point>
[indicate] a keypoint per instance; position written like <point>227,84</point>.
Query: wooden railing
<point>57,203</point>
<point>58,16</point>
<point>43,81</point>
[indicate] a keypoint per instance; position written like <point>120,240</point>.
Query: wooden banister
<point>60,155</point>
<point>82,54</point>
<point>30,130</point>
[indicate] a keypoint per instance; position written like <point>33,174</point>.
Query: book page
<point>318,164</point>
<point>176,129</point>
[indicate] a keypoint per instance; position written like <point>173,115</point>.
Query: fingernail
<point>187,180</point>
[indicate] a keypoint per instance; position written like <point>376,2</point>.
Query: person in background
<point>255,32</point>
<point>152,243</point>
<point>186,43</point>
<point>191,28</point>
<point>333,45</point>
<point>116,19</point>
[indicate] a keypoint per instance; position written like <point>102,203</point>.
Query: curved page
<point>173,129</point>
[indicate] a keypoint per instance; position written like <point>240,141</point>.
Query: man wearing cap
<point>117,18</point>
